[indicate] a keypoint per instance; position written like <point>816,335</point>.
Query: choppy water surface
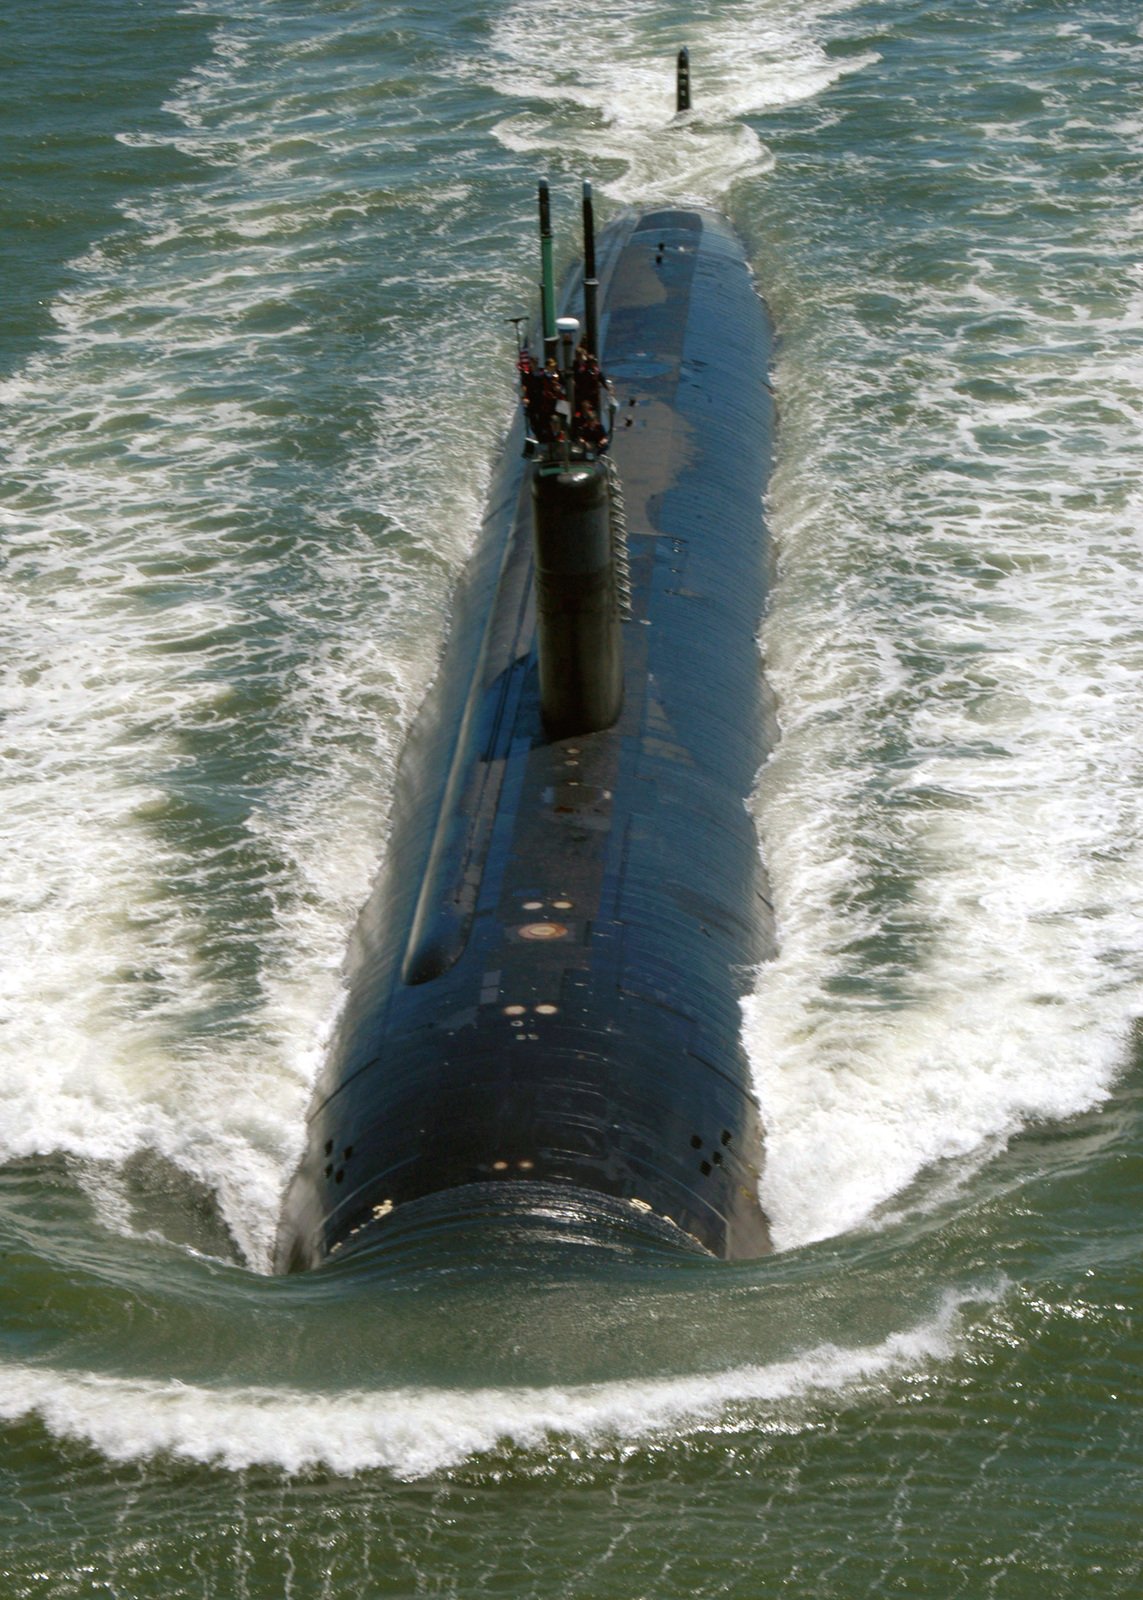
<point>253,375</point>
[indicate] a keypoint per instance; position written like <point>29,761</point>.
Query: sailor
<point>553,404</point>
<point>531,393</point>
<point>587,380</point>
<point>590,430</point>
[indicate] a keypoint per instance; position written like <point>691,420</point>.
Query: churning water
<point>254,373</point>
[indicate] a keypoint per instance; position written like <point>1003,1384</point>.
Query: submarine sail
<point>543,1011</point>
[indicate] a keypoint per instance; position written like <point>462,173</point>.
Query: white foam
<point>414,1432</point>
<point>953,820</point>
<point>608,113</point>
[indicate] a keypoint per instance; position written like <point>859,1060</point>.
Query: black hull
<point>545,985</point>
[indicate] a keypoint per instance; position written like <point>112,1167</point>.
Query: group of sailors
<point>562,411</point>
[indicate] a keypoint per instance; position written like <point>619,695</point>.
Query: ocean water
<point>256,264</point>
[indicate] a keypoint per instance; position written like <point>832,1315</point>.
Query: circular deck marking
<point>514,1011</point>
<point>543,930</point>
<point>547,1011</point>
<point>561,905</point>
<point>533,905</point>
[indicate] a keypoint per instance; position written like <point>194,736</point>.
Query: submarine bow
<point>543,1009</point>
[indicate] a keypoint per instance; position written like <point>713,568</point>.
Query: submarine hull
<point>543,1010</point>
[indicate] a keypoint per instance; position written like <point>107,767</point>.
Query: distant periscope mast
<point>542,1032</point>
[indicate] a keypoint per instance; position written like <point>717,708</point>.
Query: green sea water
<point>256,260</point>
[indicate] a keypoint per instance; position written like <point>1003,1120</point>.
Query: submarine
<point>542,1024</point>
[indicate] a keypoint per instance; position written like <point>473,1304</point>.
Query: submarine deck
<point>545,985</point>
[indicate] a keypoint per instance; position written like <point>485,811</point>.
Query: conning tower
<point>578,638</point>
